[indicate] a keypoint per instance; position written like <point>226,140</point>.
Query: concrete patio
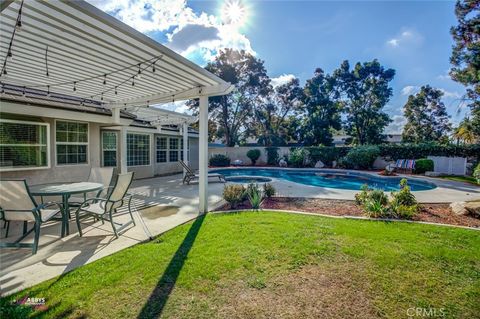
<point>56,256</point>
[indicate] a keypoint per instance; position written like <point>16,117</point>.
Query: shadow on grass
<point>153,308</point>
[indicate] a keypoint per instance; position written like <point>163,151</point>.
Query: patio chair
<point>190,174</point>
<point>17,204</point>
<point>104,208</point>
<point>409,166</point>
<point>102,175</point>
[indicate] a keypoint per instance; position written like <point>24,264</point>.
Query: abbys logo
<point>418,312</point>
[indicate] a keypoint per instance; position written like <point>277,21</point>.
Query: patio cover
<point>72,48</point>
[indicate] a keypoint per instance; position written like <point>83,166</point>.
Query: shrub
<point>405,212</point>
<point>233,194</point>
<point>327,154</point>
<point>219,160</point>
<point>422,150</point>
<point>298,157</point>
<point>404,196</point>
<point>254,195</point>
<point>268,190</point>
<point>423,165</point>
<point>375,209</point>
<point>476,173</point>
<point>361,157</point>
<point>272,155</point>
<point>253,155</point>
<point>361,197</point>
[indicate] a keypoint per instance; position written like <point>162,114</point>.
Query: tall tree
<point>321,110</point>
<point>364,92</point>
<point>465,57</point>
<point>427,117</point>
<point>233,112</point>
<point>274,112</point>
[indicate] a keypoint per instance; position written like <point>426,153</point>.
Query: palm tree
<point>465,132</point>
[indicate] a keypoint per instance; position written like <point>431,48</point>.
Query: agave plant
<point>254,195</point>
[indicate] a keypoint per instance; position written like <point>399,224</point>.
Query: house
<point>78,90</point>
<point>55,140</point>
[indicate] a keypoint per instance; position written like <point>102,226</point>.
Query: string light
<point>115,90</point>
<point>23,93</point>
<point>153,66</point>
<point>104,79</point>
<point>139,71</point>
<point>74,86</point>
<point>18,25</point>
<point>5,70</point>
<point>48,90</point>
<point>133,80</point>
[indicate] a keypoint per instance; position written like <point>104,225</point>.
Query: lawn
<point>465,179</point>
<point>277,265</point>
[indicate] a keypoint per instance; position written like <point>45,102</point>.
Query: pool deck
<point>446,191</point>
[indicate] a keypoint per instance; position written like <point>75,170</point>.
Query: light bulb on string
<point>153,66</point>
<point>23,93</point>
<point>5,70</point>
<point>48,90</point>
<point>115,90</point>
<point>133,81</point>
<point>74,86</point>
<point>104,79</point>
<point>139,74</point>
<point>9,54</point>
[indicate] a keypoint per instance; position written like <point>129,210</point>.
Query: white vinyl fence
<point>449,165</point>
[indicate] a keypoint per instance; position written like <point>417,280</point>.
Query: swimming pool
<point>332,179</point>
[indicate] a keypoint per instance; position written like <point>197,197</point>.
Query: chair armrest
<point>48,204</point>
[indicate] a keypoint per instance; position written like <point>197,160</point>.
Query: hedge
<point>328,154</point>
<point>424,165</point>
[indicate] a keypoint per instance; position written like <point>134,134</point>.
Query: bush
<point>361,157</point>
<point>375,202</point>
<point>233,194</point>
<point>327,154</point>
<point>423,165</point>
<point>254,195</point>
<point>268,190</point>
<point>422,150</point>
<point>272,155</point>
<point>298,157</point>
<point>253,155</point>
<point>219,160</point>
<point>476,173</point>
<point>404,196</point>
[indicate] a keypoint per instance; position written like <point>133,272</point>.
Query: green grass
<point>465,179</point>
<point>259,264</point>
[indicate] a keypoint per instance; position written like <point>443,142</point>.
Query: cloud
<point>198,36</point>
<point>396,127</point>
<point>450,95</point>
<point>406,37</point>
<point>409,89</point>
<point>282,79</point>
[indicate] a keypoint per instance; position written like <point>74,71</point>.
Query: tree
<point>465,132</point>
<point>465,57</point>
<point>322,110</point>
<point>232,113</point>
<point>427,117</point>
<point>274,114</point>
<point>364,91</point>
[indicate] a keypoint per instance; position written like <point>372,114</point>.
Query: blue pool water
<point>332,179</point>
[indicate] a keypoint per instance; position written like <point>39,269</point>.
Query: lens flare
<point>233,12</point>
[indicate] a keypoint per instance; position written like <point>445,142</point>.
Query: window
<point>162,149</point>
<point>72,142</point>
<point>109,148</point>
<point>138,149</point>
<point>173,150</point>
<point>23,145</point>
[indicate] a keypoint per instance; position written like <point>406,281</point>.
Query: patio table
<point>65,190</point>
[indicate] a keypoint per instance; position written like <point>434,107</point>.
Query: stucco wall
<point>240,153</point>
<point>80,172</point>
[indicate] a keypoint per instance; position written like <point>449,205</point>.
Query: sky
<point>296,37</point>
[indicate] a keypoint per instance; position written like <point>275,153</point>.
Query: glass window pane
<point>138,149</point>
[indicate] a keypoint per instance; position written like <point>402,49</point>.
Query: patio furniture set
<point>402,165</point>
<point>19,202</point>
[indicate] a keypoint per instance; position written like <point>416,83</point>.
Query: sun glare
<point>233,12</point>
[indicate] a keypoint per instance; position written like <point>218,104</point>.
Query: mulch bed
<point>433,213</point>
